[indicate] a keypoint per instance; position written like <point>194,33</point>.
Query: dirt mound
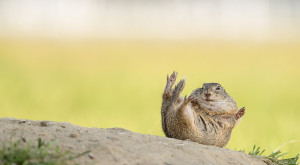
<point>118,145</point>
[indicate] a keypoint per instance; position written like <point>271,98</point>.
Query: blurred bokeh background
<point>103,63</point>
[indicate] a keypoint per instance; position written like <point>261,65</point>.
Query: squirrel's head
<point>212,96</point>
<point>213,92</point>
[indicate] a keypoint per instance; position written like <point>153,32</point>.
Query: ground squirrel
<point>207,116</point>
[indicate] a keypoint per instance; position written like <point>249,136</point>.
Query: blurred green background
<point>104,63</point>
<point>98,83</point>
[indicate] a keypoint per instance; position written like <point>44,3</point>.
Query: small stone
<point>73,135</point>
<point>23,139</point>
<point>22,121</point>
<point>44,123</point>
<point>91,156</point>
<point>112,138</point>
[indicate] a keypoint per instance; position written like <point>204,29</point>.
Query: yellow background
<point>110,83</point>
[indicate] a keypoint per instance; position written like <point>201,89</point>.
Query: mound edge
<point>119,146</point>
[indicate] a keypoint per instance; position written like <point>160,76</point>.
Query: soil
<point>120,146</point>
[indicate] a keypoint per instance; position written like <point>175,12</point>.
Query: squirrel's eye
<point>218,88</point>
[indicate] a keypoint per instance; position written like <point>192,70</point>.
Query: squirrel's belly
<point>208,132</point>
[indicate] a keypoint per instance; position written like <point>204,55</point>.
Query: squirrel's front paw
<point>240,113</point>
<point>193,100</point>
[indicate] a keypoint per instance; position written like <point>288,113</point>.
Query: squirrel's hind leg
<point>170,82</point>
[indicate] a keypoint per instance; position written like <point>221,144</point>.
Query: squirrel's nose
<point>207,95</point>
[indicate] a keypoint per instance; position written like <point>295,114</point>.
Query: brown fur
<point>194,118</point>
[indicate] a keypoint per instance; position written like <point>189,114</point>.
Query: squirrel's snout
<point>207,95</point>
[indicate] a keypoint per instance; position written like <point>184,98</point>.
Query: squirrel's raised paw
<point>170,82</point>
<point>240,113</point>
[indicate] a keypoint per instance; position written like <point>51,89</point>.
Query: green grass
<point>275,158</point>
<point>104,84</point>
<point>21,153</point>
